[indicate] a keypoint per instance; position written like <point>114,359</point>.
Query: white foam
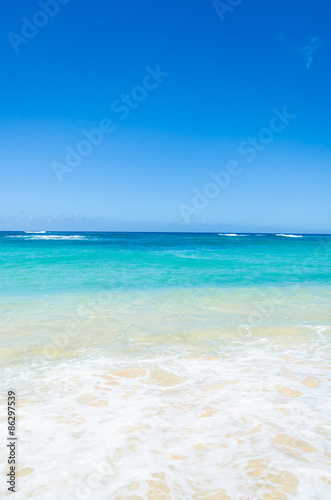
<point>175,427</point>
<point>230,234</point>
<point>58,237</point>
<point>164,390</point>
<point>48,237</point>
<point>290,235</point>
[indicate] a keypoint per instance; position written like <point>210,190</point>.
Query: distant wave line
<point>290,235</point>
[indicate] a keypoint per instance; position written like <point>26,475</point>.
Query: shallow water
<point>168,366</point>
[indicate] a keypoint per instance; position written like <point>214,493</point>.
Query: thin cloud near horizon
<point>309,50</point>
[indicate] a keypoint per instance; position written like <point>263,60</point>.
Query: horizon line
<point>161,232</point>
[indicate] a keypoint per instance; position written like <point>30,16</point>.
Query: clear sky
<point>172,91</point>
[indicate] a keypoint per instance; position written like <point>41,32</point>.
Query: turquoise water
<point>168,366</point>
<point>77,262</point>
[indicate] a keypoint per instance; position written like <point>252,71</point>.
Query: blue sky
<point>177,92</point>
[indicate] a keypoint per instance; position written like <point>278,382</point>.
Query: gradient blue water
<point>76,262</point>
<point>192,365</point>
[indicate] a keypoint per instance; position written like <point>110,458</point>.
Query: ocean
<point>167,366</point>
